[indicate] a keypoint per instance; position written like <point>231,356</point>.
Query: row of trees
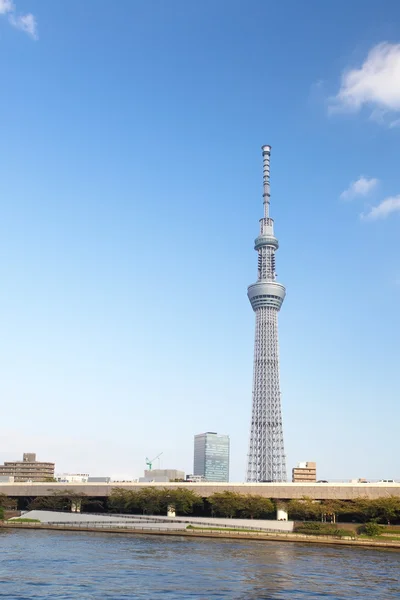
<point>360,510</point>
<point>64,500</point>
<point>232,504</point>
<point>155,500</point>
<point>7,503</point>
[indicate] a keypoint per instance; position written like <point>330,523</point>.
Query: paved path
<point>49,517</point>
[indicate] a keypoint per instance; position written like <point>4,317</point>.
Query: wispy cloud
<point>376,84</point>
<point>361,187</point>
<point>26,23</point>
<point>6,6</point>
<point>383,210</point>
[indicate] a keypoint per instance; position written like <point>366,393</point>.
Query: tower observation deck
<point>266,458</point>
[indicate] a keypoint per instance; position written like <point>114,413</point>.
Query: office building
<point>266,457</point>
<point>211,456</point>
<point>28,469</point>
<point>305,471</point>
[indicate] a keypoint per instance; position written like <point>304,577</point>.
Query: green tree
<point>8,503</point>
<point>257,507</point>
<point>1,513</point>
<point>371,529</point>
<point>149,500</point>
<point>226,504</point>
<point>331,509</point>
<point>59,500</point>
<point>360,509</point>
<point>305,509</point>
<point>182,499</point>
<point>387,509</point>
<point>124,501</point>
<point>47,503</point>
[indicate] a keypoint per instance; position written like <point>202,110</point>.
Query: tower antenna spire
<point>266,153</point>
<point>266,458</point>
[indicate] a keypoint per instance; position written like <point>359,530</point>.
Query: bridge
<point>276,491</point>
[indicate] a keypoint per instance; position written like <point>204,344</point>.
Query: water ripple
<point>83,566</point>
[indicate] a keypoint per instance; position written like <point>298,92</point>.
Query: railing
<point>203,527</point>
<point>87,525</point>
<point>101,525</point>
<point>189,521</point>
<point>110,525</point>
<point>207,532</point>
<point>161,519</point>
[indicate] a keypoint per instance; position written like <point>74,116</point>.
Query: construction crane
<point>149,463</point>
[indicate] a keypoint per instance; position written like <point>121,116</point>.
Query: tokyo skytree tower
<point>266,458</point>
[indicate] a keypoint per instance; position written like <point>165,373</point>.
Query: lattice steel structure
<point>266,459</point>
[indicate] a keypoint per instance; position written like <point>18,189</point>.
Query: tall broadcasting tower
<point>266,459</point>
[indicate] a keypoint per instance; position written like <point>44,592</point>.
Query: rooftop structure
<point>266,457</point>
<point>195,478</point>
<point>160,475</point>
<point>28,469</point>
<point>72,477</point>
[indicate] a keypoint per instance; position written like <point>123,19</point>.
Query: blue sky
<point>131,192</point>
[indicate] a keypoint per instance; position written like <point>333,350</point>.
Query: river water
<point>83,566</point>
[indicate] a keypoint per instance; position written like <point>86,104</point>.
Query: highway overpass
<point>277,491</point>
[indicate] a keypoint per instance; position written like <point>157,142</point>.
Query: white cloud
<point>376,83</point>
<point>6,6</point>
<point>362,187</point>
<point>26,23</point>
<point>384,209</point>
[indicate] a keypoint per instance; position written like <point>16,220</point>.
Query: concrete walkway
<point>157,521</point>
<point>83,519</point>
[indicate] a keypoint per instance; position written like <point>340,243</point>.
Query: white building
<point>72,477</point>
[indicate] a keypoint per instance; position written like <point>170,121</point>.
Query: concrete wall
<point>278,491</point>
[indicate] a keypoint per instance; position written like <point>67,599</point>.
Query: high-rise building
<point>266,458</point>
<point>305,471</point>
<point>28,469</point>
<point>211,456</point>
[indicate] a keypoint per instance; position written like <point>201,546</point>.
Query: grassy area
<point>389,529</point>
<point>379,538</point>
<point>342,533</point>
<point>227,529</point>
<point>22,520</point>
<point>316,528</point>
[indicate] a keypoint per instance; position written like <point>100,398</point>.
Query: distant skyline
<point>130,192</point>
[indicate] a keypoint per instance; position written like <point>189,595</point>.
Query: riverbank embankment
<point>204,533</point>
